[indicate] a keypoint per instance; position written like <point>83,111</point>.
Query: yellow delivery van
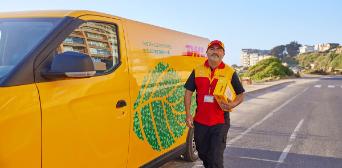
<point>83,89</point>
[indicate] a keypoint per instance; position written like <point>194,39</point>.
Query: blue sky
<point>260,24</point>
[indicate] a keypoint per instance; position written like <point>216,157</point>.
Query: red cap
<point>216,42</point>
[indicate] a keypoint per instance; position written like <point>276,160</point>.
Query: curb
<point>269,87</point>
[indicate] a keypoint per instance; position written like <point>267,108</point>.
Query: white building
<point>325,46</point>
<point>245,59</point>
<point>250,57</point>
<point>254,58</point>
<point>306,48</point>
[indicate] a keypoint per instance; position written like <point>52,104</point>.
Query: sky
<point>259,24</point>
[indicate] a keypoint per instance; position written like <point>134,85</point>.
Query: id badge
<point>208,99</point>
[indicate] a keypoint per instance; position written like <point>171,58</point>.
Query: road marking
<point>265,160</point>
<point>331,86</point>
<point>293,136</point>
<point>229,143</point>
<point>318,86</point>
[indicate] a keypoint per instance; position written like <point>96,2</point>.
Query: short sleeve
<point>190,83</point>
<point>238,88</point>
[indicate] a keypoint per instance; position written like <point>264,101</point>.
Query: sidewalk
<point>261,86</point>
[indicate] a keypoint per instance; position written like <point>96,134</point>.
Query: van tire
<point>191,153</point>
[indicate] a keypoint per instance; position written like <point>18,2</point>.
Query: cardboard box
<point>224,92</point>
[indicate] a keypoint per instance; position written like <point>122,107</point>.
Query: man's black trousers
<point>211,142</point>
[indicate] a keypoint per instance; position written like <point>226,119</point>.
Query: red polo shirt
<point>203,79</point>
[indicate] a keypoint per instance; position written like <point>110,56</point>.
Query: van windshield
<point>20,36</point>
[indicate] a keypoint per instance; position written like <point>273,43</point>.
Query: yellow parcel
<point>224,92</point>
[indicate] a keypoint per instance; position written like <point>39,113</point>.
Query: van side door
<point>85,119</point>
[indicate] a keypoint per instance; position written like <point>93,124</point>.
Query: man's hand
<point>189,121</point>
<point>230,105</point>
<point>227,106</point>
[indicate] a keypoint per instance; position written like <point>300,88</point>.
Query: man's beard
<point>214,57</point>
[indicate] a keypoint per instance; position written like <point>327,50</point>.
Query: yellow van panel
<point>20,128</point>
<point>81,125</point>
<point>160,61</point>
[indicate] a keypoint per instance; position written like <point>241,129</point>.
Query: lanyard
<point>211,79</point>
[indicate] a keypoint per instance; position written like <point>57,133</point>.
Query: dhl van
<point>85,89</point>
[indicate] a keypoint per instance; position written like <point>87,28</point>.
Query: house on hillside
<point>306,49</point>
<point>325,46</point>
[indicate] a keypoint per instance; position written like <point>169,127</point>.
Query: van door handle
<point>121,103</point>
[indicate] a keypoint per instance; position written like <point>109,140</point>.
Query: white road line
<point>229,143</point>
<point>265,160</point>
<point>331,86</point>
<point>286,151</point>
<point>328,77</point>
<point>318,86</point>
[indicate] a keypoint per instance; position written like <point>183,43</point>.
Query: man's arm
<point>239,90</point>
<point>230,105</point>
<point>187,104</point>
<point>190,87</point>
<point>239,99</point>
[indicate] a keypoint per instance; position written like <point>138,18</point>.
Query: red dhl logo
<point>194,51</point>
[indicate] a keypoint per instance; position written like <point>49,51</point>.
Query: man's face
<point>215,53</point>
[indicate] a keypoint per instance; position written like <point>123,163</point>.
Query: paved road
<point>296,124</point>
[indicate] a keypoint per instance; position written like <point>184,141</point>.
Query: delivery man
<point>211,123</point>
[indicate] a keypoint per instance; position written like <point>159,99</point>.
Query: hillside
<point>321,61</point>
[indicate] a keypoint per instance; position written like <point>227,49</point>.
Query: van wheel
<point>191,153</point>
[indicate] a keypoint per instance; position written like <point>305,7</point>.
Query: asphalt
<point>296,123</point>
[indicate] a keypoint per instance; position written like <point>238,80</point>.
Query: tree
<point>278,51</point>
<point>293,48</point>
<point>281,51</point>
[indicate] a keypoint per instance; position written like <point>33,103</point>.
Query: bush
<point>337,62</point>
<point>269,68</point>
<point>261,65</point>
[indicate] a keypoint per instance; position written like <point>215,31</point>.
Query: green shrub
<point>269,68</point>
<point>337,62</point>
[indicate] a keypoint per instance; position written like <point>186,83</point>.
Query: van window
<point>99,41</point>
<point>20,36</point>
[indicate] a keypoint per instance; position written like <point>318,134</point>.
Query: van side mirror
<point>71,65</point>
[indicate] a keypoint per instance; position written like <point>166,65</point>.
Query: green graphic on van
<point>159,113</point>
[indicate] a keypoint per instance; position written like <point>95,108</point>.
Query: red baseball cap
<point>216,42</point>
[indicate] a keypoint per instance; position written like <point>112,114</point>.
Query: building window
<point>74,40</point>
<point>98,40</point>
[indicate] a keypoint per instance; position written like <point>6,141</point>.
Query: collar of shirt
<point>220,66</point>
